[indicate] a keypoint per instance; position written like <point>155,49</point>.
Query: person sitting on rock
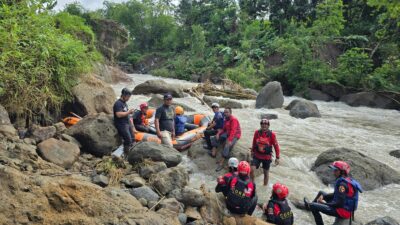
<point>216,125</point>
<point>227,136</point>
<point>180,121</point>
<point>342,202</point>
<point>242,198</point>
<point>278,210</point>
<point>164,121</point>
<point>224,181</point>
<point>122,122</point>
<point>263,141</point>
<point>140,119</point>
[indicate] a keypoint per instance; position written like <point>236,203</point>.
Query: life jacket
<point>285,215</point>
<point>264,145</point>
<point>223,182</point>
<point>351,201</point>
<point>240,194</point>
<point>180,124</point>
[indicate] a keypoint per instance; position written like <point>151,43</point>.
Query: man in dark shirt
<point>165,121</point>
<point>216,124</point>
<point>122,122</point>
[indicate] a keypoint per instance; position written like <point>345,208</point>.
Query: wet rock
<point>143,202</point>
<point>159,87</point>
<point>302,109</point>
<point>91,96</point>
<point>59,152</point>
<point>100,180</point>
<point>270,96</point>
<point>133,181</point>
<point>171,204</point>
<point>8,131</point>
<point>384,100</point>
<point>4,118</point>
<point>149,168</point>
<point>223,102</point>
<point>146,193</point>
<point>383,221</point>
<point>395,153</point>
<point>192,213</point>
<point>269,116</point>
<point>97,134</point>
<point>170,179</point>
<point>370,173</point>
<point>70,139</point>
<point>333,89</point>
<point>314,94</point>
<point>60,128</point>
<point>182,218</point>
<point>156,100</point>
<point>42,133</point>
<point>155,152</point>
<point>189,196</point>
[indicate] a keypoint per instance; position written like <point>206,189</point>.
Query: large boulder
<point>110,74</point>
<point>146,193</point>
<point>133,181</point>
<point>370,173</point>
<point>155,152</point>
<point>97,134</point>
<point>4,118</point>
<point>314,94</point>
<point>39,133</point>
<point>149,168</point>
<point>383,221</point>
<point>156,100</point>
<point>189,196</point>
<point>395,153</point>
<point>91,96</point>
<point>384,100</point>
<point>59,152</point>
<point>333,89</point>
<point>159,87</point>
<point>300,108</point>
<point>170,179</point>
<point>270,96</point>
<point>223,102</point>
<point>172,204</point>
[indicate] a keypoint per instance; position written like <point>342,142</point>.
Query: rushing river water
<point>375,132</point>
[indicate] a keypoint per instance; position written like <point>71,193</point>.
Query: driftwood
<point>228,90</point>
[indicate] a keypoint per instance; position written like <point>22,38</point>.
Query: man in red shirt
<point>228,136</point>
<point>263,141</point>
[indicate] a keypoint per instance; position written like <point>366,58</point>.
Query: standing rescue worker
<point>343,202</point>
<point>164,121</point>
<point>242,198</point>
<point>224,181</point>
<point>278,210</point>
<point>263,141</point>
<point>140,119</point>
<point>122,122</point>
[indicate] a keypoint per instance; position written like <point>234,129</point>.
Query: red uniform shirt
<point>272,141</point>
<point>231,128</point>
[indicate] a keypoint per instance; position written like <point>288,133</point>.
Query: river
<point>374,132</point>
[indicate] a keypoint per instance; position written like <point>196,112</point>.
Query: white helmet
<point>233,162</point>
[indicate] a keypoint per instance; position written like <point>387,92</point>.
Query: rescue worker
<point>263,141</point>
<point>140,119</point>
<point>122,122</point>
<point>278,210</point>
<point>180,121</point>
<point>343,202</point>
<point>242,198</point>
<point>164,121</point>
<point>227,136</point>
<point>216,125</point>
<point>223,181</point>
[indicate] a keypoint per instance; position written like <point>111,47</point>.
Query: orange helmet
<point>280,190</point>
<point>179,110</point>
<point>244,168</point>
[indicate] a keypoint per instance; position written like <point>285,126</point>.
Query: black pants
<point>253,205</point>
<point>125,131</point>
<point>318,208</point>
<point>146,129</point>
<point>208,134</point>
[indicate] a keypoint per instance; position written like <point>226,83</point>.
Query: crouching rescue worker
<point>278,210</point>
<point>242,198</point>
<point>343,202</point>
<point>180,121</point>
<point>223,181</point>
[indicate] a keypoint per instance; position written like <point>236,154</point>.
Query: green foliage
<point>40,59</point>
<point>354,67</point>
<point>198,41</point>
<point>75,25</point>
<point>329,19</point>
<point>245,74</point>
<point>386,77</point>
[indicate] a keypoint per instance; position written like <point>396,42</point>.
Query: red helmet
<point>244,168</point>
<point>143,105</point>
<point>341,165</point>
<point>265,120</point>
<point>280,190</point>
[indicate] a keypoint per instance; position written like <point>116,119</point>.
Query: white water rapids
<point>374,132</point>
